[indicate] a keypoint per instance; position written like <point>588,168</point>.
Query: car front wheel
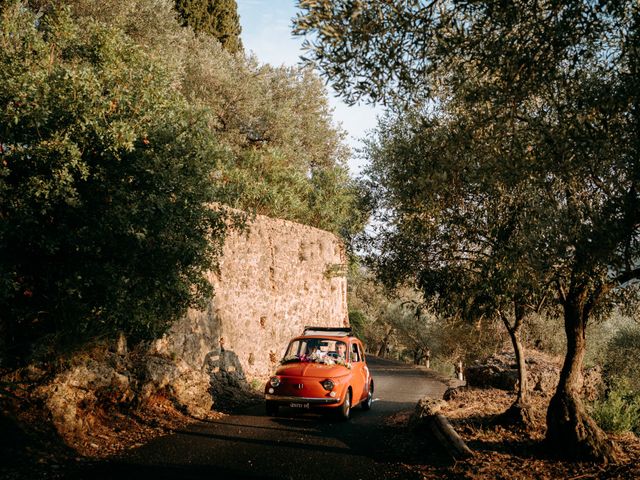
<point>345,409</point>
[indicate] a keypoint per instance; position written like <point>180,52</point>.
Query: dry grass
<point>508,453</point>
<point>114,431</point>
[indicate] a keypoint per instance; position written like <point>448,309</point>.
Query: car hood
<point>312,369</point>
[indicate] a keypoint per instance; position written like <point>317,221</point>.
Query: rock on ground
<point>543,371</point>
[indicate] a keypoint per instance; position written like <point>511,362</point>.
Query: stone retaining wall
<point>273,280</point>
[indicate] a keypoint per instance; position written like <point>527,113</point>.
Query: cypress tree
<point>218,18</point>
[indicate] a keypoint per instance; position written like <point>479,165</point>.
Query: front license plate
<point>299,405</point>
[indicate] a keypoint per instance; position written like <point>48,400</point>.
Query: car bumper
<point>309,400</point>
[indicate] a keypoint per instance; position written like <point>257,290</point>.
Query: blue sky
<point>266,31</point>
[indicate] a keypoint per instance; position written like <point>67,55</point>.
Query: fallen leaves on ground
<point>510,453</point>
<point>32,448</point>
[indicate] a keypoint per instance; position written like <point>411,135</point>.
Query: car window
<point>296,348</point>
<point>355,353</point>
<point>317,350</point>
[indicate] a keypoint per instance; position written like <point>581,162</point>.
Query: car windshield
<point>319,350</point>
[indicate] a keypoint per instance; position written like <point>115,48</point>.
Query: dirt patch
<point>32,448</point>
<point>116,431</point>
<point>504,453</point>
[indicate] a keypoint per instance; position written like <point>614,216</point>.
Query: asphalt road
<point>293,445</point>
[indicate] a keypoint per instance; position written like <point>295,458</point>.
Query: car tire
<point>366,405</point>
<point>345,408</point>
<point>271,408</point>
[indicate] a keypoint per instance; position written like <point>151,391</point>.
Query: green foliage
<point>118,128</point>
<point>405,51</point>
<point>218,18</point>
<point>399,325</point>
<point>105,185</point>
<point>256,385</point>
<point>525,131</point>
<point>283,155</point>
<point>288,159</point>
<point>358,322</point>
<point>537,330</point>
<point>601,349</point>
<point>266,182</point>
<point>623,357</point>
<point>285,158</point>
<point>619,411</point>
<point>515,182</point>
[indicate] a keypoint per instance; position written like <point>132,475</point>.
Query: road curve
<point>307,446</point>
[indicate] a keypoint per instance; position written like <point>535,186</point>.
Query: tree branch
<point>505,320</point>
<point>626,276</point>
<point>561,291</point>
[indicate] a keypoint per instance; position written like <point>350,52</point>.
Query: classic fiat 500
<point>324,368</point>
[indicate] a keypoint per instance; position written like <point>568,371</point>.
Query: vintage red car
<point>324,368</point>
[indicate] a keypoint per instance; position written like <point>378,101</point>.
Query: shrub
<point>358,321</point>
<point>544,332</point>
<point>609,339</point>
<point>105,186</point>
<point>619,411</point>
<point>623,356</point>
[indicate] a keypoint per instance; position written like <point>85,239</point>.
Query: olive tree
<point>282,155</point>
<point>544,95</point>
<point>106,183</point>
<point>458,232</point>
<point>218,18</point>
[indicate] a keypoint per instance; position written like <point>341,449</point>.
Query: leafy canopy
<point>106,179</point>
<point>218,18</point>
<point>519,138</point>
<point>118,129</point>
<point>517,168</point>
<point>274,123</point>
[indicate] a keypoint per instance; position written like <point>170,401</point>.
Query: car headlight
<point>274,381</point>
<point>328,384</point>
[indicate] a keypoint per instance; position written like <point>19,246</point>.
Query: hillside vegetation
<point>504,178</point>
<point>119,128</point>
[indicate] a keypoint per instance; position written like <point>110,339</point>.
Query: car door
<point>365,368</point>
<point>360,372</point>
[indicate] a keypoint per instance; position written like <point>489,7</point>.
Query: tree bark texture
<point>571,432</point>
<point>448,438</point>
<point>519,413</point>
<point>518,350</point>
<point>382,351</point>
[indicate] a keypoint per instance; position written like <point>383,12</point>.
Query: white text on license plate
<point>299,405</point>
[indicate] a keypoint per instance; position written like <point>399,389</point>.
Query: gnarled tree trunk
<point>384,346</point>
<point>519,413</point>
<point>571,432</point>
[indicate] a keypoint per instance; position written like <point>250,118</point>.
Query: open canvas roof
<point>329,331</point>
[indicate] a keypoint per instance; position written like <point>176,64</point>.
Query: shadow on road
<point>293,445</point>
